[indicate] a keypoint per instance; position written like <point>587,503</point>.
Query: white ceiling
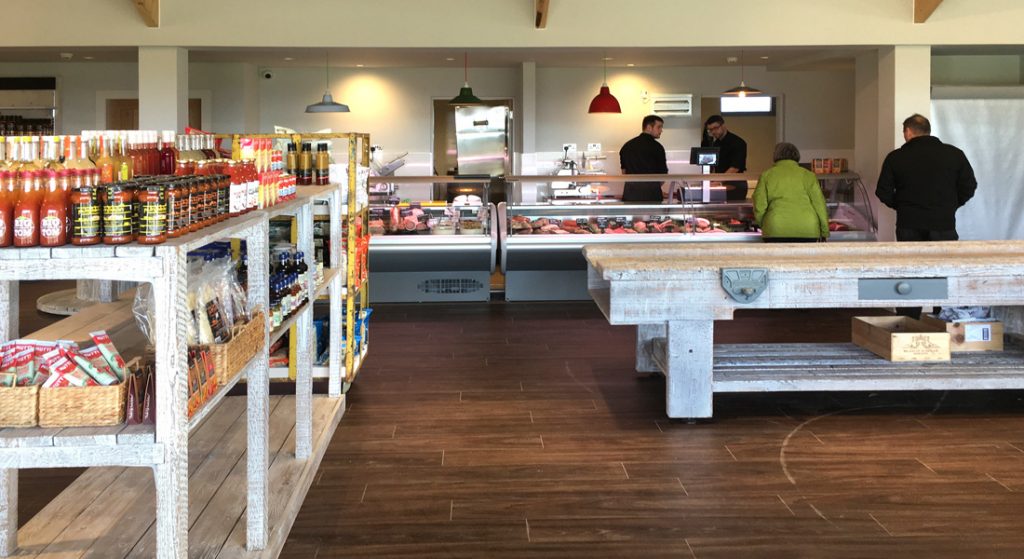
<point>775,58</point>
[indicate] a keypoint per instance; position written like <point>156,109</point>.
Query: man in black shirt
<point>732,154</point>
<point>925,181</point>
<point>643,155</point>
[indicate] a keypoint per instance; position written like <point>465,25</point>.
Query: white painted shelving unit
<point>165,447</point>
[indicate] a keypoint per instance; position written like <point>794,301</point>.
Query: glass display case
<point>541,242</point>
<point>432,239</point>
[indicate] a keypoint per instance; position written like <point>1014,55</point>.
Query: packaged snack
<point>92,362</point>
<point>7,380</point>
<point>25,369</point>
<point>64,372</point>
<point>109,353</point>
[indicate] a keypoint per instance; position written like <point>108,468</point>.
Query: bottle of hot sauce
<point>105,163</point>
<point>52,212</point>
<point>168,153</point>
<point>26,211</point>
<point>8,197</point>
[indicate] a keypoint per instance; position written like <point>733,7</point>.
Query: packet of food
<point>7,380</point>
<point>64,372</point>
<point>41,349</point>
<point>92,362</point>
<point>109,353</point>
<point>25,369</point>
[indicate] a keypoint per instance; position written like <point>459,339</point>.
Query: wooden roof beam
<point>150,11</point>
<point>923,9</point>
<point>541,20</point>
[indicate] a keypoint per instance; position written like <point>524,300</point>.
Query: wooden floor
<point>520,430</point>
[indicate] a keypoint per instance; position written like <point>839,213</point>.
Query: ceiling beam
<point>150,11</point>
<point>923,9</point>
<point>542,13</point>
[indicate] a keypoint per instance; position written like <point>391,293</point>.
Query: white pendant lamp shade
<point>327,104</point>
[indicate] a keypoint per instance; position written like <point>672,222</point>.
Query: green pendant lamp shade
<point>604,101</point>
<point>327,104</point>
<point>465,96</point>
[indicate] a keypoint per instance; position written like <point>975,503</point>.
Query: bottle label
<point>51,226</point>
<point>153,220</point>
<point>106,173</point>
<point>117,221</point>
<point>85,220</point>
<point>3,227</point>
<point>23,227</point>
<point>236,197</point>
<point>252,193</point>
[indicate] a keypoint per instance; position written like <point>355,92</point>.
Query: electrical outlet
<point>570,147</point>
<point>593,147</point>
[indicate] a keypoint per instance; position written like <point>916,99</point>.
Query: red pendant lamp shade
<point>605,102</point>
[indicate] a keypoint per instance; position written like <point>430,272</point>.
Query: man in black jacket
<point>643,155</point>
<point>925,181</point>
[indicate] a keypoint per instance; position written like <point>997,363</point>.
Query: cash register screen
<point>703,156</point>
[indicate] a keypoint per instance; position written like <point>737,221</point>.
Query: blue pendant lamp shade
<point>465,96</point>
<point>604,101</point>
<point>327,104</point>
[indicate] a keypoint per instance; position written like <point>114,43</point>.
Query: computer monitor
<point>704,156</point>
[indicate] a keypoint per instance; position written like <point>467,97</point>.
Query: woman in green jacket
<point>788,203</point>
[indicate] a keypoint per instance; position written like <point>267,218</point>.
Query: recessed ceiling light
<point>89,57</point>
<point>630,65</point>
<point>288,59</point>
<point>607,58</point>
<point>359,65</point>
<point>450,59</point>
<point>764,58</point>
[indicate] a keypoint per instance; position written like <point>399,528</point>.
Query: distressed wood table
<point>674,293</point>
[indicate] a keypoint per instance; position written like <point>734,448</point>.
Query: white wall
<point>818,110</point>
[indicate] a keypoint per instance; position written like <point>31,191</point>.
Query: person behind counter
<point>788,203</point>
<point>732,154</point>
<point>643,155</point>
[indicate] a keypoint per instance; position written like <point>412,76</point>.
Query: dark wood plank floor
<point>520,430</point>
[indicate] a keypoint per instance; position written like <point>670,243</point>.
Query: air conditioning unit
<point>672,104</point>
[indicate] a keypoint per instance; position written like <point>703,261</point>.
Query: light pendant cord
<point>327,71</point>
<point>465,67</point>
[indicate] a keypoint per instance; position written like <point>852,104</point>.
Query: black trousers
<point>913,235</point>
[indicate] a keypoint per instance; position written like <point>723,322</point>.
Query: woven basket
<point>246,341</point>
<point>82,406</point>
<point>19,406</point>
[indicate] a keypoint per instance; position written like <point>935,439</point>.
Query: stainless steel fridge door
<point>481,137</point>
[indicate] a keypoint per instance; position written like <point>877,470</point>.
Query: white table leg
<point>644,334</point>
<point>8,512</point>
<point>688,382</point>
<point>258,397</point>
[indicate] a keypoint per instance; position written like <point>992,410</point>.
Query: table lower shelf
<point>847,367</point>
<point>109,512</point>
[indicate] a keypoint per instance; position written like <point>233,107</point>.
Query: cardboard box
<point>900,338</point>
<point>981,335</point>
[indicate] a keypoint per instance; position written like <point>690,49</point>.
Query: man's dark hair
<point>918,124</point>
<point>651,119</point>
<point>714,119</point>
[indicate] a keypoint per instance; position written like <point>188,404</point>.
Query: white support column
<point>904,88</point>
<point>8,477</point>
<point>163,88</point>
<point>304,346</point>
<point>171,477</point>
<point>258,393</point>
<point>644,334</point>
<point>688,382</point>
<point>528,120</point>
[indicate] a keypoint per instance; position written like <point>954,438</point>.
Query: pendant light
<point>604,101</point>
<point>742,90</point>
<point>465,96</point>
<point>327,104</point>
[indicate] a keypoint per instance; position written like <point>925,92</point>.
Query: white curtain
<point>989,131</point>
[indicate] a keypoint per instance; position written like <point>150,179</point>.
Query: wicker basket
<point>19,406</point>
<point>246,341</point>
<point>82,406</point>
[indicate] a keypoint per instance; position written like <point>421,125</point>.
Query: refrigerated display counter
<point>541,241</point>
<point>429,246</point>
